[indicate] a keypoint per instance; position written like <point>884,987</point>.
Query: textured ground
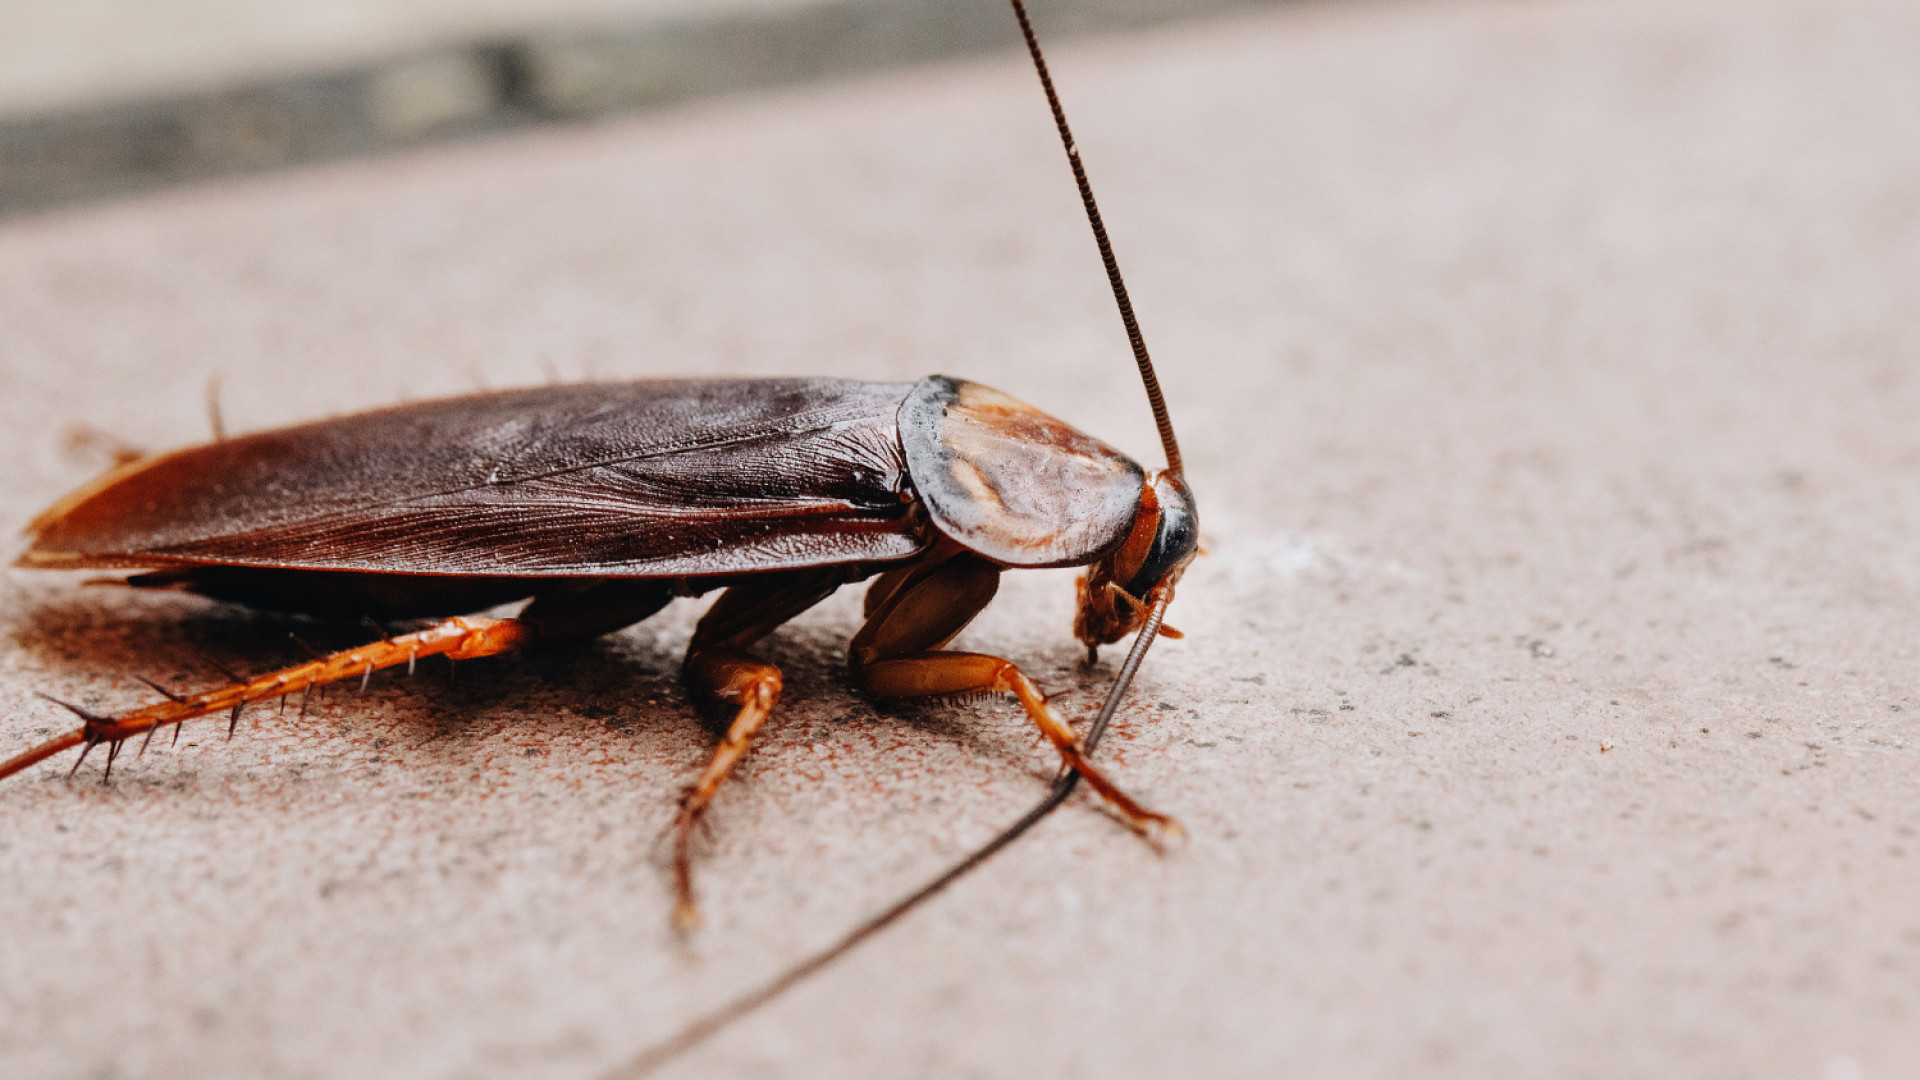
<point>1549,702</point>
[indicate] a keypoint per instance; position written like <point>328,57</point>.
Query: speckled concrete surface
<point>1548,706</point>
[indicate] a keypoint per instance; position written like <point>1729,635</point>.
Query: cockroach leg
<point>886,585</point>
<point>724,675</point>
<point>934,673</point>
<point>158,689</point>
<point>755,686</point>
<point>898,654</point>
<point>465,639</point>
<point>575,612</point>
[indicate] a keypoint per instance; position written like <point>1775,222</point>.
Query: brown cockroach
<point>599,504</point>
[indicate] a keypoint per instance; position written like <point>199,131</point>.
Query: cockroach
<point>598,504</point>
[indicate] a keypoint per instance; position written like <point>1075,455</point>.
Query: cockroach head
<point>1122,585</point>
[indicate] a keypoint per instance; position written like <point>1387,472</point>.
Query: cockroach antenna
<point>1155,400</point>
<point>711,1024</point>
<point>1140,358</point>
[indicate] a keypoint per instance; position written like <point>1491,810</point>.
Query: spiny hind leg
<point>460,639</point>
<point>730,680</point>
<point>569,610</point>
<point>898,654</point>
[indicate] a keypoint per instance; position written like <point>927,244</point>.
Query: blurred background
<point>110,96</point>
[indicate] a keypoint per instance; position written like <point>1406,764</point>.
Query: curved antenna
<point>709,1025</point>
<point>1140,357</point>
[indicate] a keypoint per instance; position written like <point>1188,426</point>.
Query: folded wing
<point>661,478</point>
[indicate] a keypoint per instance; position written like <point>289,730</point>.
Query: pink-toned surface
<point>1547,375</point>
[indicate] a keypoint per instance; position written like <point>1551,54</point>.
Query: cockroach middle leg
<point>462,638</point>
<point>754,686</point>
<point>727,677</point>
<point>898,654</point>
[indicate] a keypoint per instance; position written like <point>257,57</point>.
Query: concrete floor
<point>1548,706</point>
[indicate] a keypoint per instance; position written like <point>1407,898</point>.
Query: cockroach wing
<point>1012,483</point>
<point>663,478</point>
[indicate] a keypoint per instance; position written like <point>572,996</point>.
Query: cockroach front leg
<point>730,679</point>
<point>898,654</point>
<point>459,639</point>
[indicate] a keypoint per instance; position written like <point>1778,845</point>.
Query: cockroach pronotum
<point>601,503</point>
